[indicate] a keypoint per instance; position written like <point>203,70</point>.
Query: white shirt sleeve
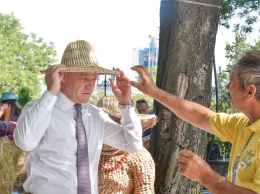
<point>33,121</point>
<point>128,136</point>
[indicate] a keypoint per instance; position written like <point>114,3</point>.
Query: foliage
<point>24,95</point>
<point>246,10</point>
<point>22,57</point>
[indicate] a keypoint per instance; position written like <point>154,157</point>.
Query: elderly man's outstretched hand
<point>146,84</point>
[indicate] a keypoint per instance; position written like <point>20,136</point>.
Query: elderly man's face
<point>78,87</point>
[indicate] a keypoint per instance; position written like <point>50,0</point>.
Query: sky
<point>113,27</point>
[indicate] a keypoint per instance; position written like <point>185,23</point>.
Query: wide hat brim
<point>8,96</point>
<point>80,56</point>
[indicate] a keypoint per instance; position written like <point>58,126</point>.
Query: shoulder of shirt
<point>235,117</point>
<point>32,102</point>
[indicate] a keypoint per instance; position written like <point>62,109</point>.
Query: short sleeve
<point>226,126</point>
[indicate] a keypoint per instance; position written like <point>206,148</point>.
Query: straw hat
<point>110,106</point>
<point>80,56</point>
<point>8,96</point>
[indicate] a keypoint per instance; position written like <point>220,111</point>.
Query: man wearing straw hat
<point>49,128</point>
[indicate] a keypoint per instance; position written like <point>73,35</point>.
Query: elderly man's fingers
<point>185,153</point>
<point>140,69</point>
<point>181,164</point>
<point>135,84</point>
<point>181,171</point>
<point>182,159</point>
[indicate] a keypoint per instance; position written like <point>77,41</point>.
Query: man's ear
<point>251,90</point>
<point>64,77</point>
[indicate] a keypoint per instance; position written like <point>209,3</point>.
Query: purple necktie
<point>84,186</point>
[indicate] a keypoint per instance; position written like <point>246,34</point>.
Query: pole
<point>105,86</point>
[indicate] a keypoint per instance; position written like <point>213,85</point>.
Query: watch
<point>125,106</point>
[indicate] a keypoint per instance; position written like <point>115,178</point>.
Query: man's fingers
<point>185,153</point>
<point>140,69</point>
<point>112,83</point>
<point>135,84</point>
<point>182,159</point>
<point>181,171</point>
<point>181,164</point>
<point>184,156</point>
<point>56,69</point>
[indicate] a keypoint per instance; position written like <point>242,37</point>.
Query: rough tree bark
<point>186,51</point>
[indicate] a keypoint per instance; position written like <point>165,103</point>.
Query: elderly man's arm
<point>189,111</point>
<point>195,168</point>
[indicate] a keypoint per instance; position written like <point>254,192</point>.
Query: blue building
<point>147,56</point>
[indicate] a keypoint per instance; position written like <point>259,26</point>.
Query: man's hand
<point>146,84</point>
<point>53,76</point>
<point>195,168</point>
<point>192,166</point>
<point>122,88</point>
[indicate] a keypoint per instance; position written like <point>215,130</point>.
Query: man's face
<point>78,87</point>
<point>235,92</point>
<point>142,108</point>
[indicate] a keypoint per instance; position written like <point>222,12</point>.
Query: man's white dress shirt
<point>46,130</point>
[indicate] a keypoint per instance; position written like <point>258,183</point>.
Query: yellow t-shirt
<point>244,165</point>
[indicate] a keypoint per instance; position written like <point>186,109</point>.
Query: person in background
<point>7,129</point>
<point>120,171</point>
<point>241,129</point>
<point>143,108</point>
<point>10,110</point>
<point>48,129</point>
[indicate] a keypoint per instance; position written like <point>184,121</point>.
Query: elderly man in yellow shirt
<point>241,129</point>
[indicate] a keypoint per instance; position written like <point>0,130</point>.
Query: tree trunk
<point>186,51</point>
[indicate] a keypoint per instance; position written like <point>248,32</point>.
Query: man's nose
<point>227,87</point>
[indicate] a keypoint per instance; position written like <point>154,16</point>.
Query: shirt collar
<point>255,126</point>
<point>64,103</point>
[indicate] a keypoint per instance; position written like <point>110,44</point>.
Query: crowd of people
<point>64,136</point>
